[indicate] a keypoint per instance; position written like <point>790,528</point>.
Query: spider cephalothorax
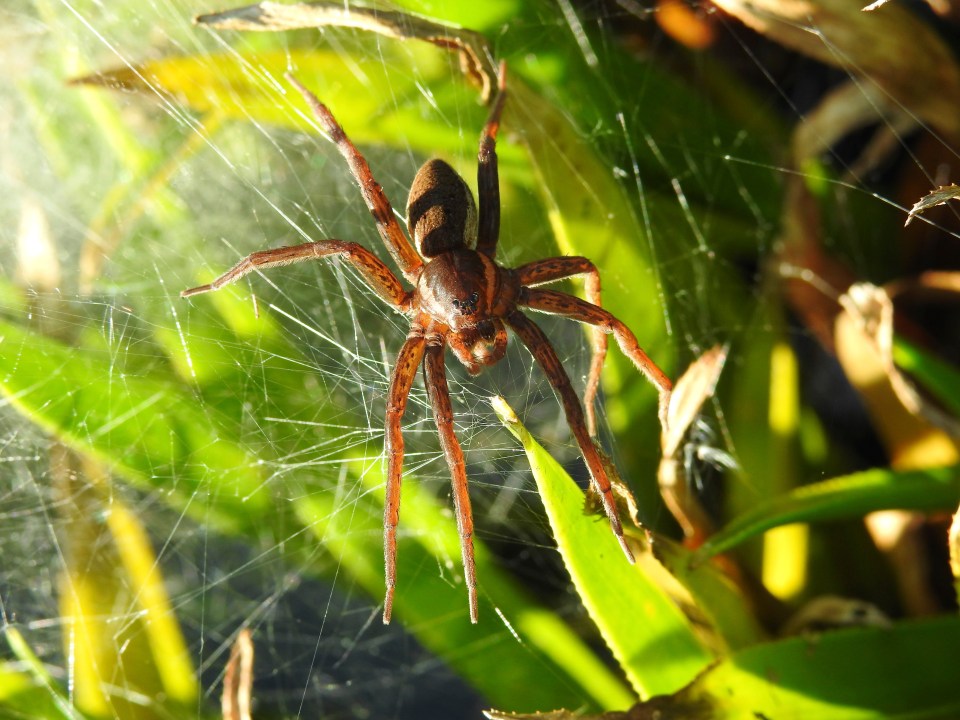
<point>463,300</point>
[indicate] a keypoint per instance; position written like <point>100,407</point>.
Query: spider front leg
<point>488,178</point>
<point>541,349</point>
<point>550,270</point>
<point>376,275</point>
<point>558,303</point>
<point>443,414</point>
<point>381,210</point>
<point>403,374</point>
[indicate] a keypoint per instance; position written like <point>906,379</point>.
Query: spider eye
<point>474,298</point>
<point>456,303</point>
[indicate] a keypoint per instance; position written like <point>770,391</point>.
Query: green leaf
<point>941,378</point>
<point>146,428</point>
<point>590,215</point>
<point>650,637</point>
<point>386,108</point>
<point>906,671</point>
<point>842,497</point>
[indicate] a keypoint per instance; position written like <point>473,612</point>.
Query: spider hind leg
<point>443,415</point>
<point>403,375</point>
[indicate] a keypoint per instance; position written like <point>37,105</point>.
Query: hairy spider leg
<point>539,346</point>
<point>488,180</point>
<point>558,303</point>
<point>397,243</point>
<point>403,375</point>
<point>374,272</point>
<point>550,270</point>
<point>443,415</point>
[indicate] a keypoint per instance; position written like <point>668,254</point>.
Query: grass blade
<point>842,497</point>
<point>650,637</point>
<point>907,671</point>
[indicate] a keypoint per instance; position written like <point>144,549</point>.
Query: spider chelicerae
<point>462,300</point>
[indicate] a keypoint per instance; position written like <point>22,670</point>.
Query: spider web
<point>88,166</point>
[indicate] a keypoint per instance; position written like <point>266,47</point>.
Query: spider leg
<point>400,383</point>
<point>488,181</point>
<point>559,268</point>
<point>541,349</point>
<point>443,414</point>
<point>558,303</point>
<point>400,248</point>
<point>377,275</point>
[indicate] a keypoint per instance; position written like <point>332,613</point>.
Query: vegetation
<point>142,428</point>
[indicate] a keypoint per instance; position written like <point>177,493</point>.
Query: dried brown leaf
<point>954,543</point>
<point>872,309</point>
<point>476,59</point>
<point>235,702</point>
<point>692,390</point>
<point>893,49</point>
<point>916,432</point>
<point>937,197</point>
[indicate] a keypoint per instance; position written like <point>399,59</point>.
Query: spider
<point>461,300</point>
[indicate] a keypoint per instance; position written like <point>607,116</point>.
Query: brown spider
<point>462,300</point>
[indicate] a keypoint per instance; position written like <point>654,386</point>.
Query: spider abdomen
<point>441,212</point>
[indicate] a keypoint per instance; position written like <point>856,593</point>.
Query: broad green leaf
<point>384,107</point>
<point>941,378</point>
<point>650,637</point>
<point>145,428</point>
<point>842,497</point>
<point>908,671</point>
<point>477,16</point>
<point>591,216</point>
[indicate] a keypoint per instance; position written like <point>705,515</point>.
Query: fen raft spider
<point>462,300</point>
